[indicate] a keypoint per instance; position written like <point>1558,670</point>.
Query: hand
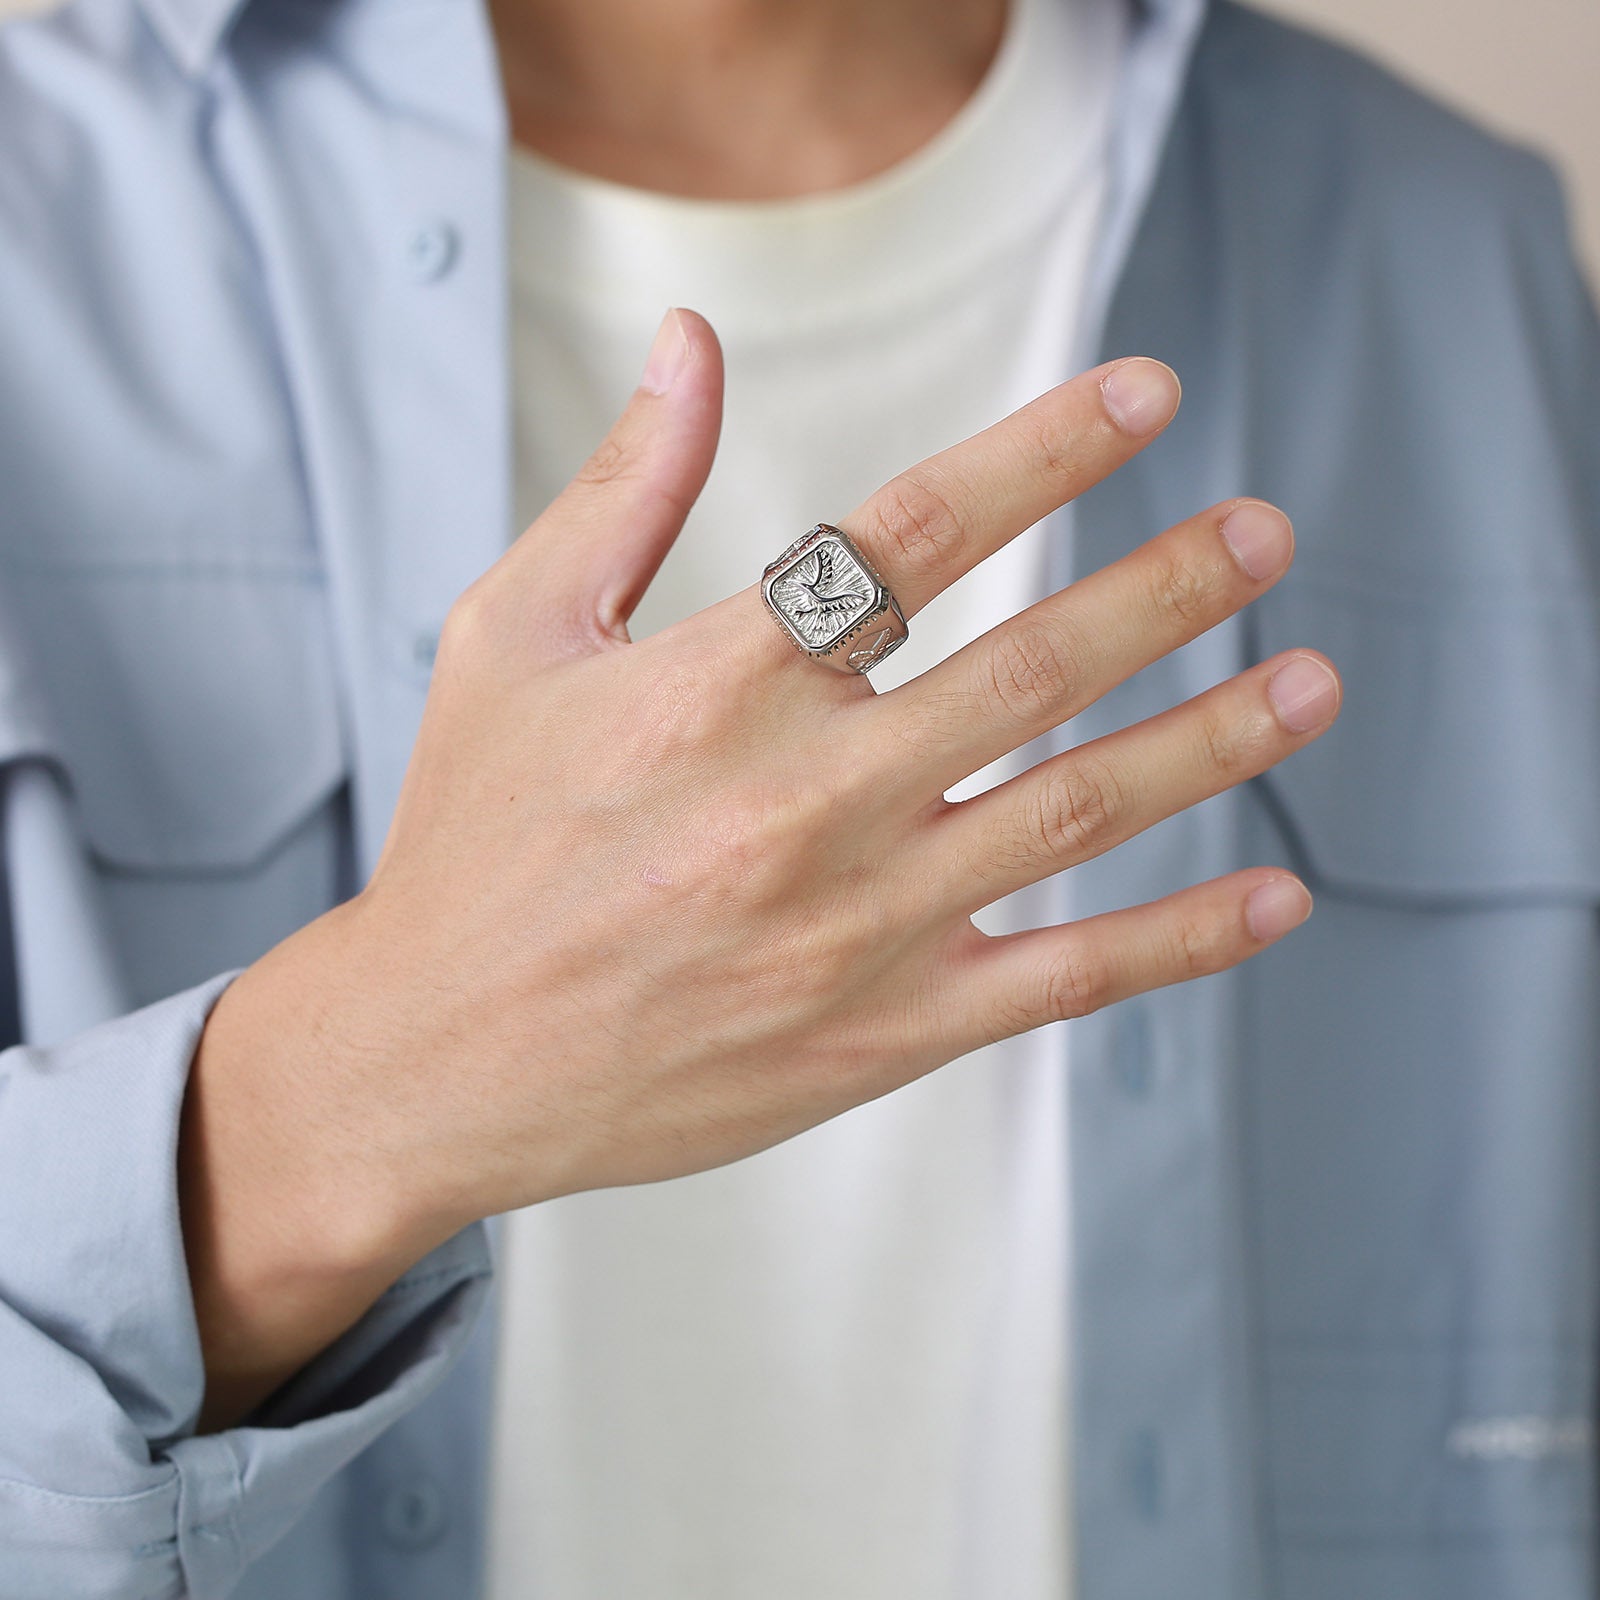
<point>646,908</point>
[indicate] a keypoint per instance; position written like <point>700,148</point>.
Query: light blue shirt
<point>1335,1213</point>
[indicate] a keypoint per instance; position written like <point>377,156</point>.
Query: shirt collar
<point>193,30</point>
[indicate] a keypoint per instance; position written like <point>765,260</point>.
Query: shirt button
<point>424,649</point>
<point>1133,1063</point>
<point>432,251</point>
<point>414,1515</point>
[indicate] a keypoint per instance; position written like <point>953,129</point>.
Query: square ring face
<point>822,594</point>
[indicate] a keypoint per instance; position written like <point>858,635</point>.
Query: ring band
<point>831,603</point>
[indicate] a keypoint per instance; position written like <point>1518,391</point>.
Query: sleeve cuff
<point>104,1489</point>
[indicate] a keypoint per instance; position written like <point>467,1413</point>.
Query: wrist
<point>298,1200</point>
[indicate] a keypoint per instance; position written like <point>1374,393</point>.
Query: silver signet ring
<point>831,602</point>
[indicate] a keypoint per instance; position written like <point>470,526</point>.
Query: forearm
<point>294,1215</point>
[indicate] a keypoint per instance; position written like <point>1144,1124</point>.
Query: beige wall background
<point>1528,68</point>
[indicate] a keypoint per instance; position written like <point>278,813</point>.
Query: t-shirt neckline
<point>1024,139</point>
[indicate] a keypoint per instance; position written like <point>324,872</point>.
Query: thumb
<point>600,542</point>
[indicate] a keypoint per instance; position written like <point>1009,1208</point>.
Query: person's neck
<point>739,99</point>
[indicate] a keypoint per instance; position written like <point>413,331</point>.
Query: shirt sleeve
<point>1562,323</point>
<point>105,1490</point>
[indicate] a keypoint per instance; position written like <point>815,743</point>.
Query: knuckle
<point>610,463</point>
<point>1196,948</point>
<point>1053,451</point>
<point>1027,669</point>
<point>916,524</point>
<point>1221,744</point>
<point>1183,594</point>
<point>751,843</point>
<point>1078,810</point>
<point>928,730</point>
<point>1075,983</point>
<point>727,856</point>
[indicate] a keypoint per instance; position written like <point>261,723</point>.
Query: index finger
<point>937,520</point>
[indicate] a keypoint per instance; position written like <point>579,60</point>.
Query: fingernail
<point>1271,909</point>
<point>1304,693</point>
<point>1260,538</point>
<point>666,355</point>
<point>1141,395</point>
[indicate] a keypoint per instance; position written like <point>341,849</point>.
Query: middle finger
<point>1041,667</point>
<point>1087,800</point>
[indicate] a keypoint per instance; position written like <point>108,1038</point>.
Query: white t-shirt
<point>836,1370</point>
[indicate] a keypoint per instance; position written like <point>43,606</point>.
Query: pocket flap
<point>1466,757</point>
<point>194,713</point>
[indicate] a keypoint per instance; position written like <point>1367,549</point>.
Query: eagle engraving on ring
<point>823,593</point>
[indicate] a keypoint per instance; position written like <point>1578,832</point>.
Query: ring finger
<point>1085,801</point>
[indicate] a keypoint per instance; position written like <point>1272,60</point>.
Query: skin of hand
<point>647,908</point>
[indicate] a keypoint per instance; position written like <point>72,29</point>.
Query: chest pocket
<point>193,711</point>
<point>1465,763</point>
<point>1420,1100</point>
<point>160,576</point>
